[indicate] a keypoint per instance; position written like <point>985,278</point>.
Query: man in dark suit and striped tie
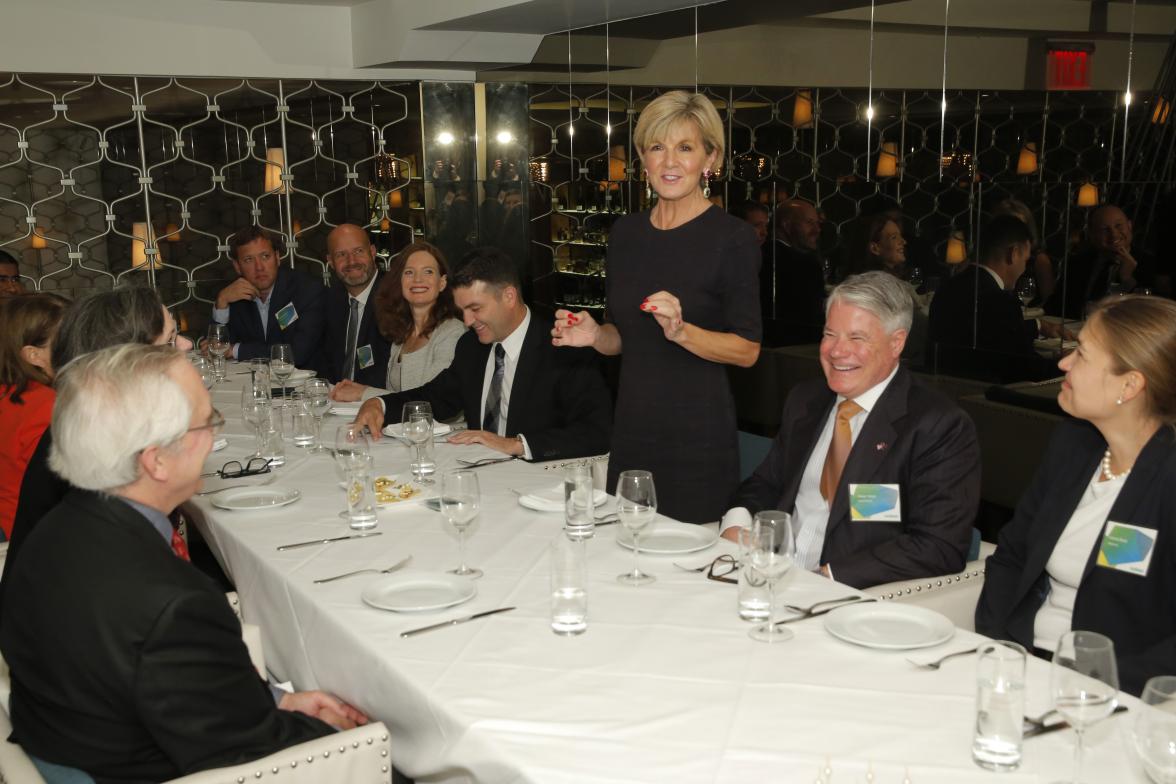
<point>355,349</point>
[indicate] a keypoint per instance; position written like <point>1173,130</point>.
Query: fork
<point>390,569</point>
<point>934,665</point>
<point>485,461</point>
<point>807,611</point>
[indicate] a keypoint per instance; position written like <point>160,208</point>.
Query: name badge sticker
<point>875,503</point>
<point>363,355</point>
<point>1127,548</point>
<point>286,316</point>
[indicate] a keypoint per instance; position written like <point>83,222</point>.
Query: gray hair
<point>880,293</point>
<point>111,405</point>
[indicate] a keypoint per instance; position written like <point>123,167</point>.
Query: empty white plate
<point>345,409</point>
<point>669,538</point>
<point>397,431</point>
<point>889,626</point>
<point>252,498</point>
<point>552,499</point>
<point>418,592</point>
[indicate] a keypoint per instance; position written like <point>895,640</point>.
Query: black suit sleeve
<point>943,493</point>
<point>199,696</point>
<point>582,411</point>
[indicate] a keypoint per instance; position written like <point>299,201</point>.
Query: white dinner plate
<point>219,444</point>
<point>669,538</point>
<point>345,409</point>
<point>253,498</point>
<point>418,592</point>
<point>552,499</point>
<point>889,625</point>
<point>397,430</point>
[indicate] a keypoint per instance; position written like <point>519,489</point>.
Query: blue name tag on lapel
<point>286,316</point>
<point>874,503</point>
<point>363,356</point>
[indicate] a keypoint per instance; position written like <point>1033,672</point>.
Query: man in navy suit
<point>269,304</point>
<point>355,349</point>
<point>881,474</point>
<point>520,394</point>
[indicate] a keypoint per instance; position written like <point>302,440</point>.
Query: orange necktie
<point>838,449</point>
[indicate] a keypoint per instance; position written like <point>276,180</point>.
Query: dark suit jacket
<point>1138,613</point>
<point>1086,277</point>
<point>558,400</point>
<point>914,437</point>
<point>305,335</point>
<point>972,302</point>
<point>338,310</point>
<point>126,661</point>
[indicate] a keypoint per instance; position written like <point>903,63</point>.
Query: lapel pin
<point>881,446</point>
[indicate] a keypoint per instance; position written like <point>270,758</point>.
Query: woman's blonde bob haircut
<point>674,108</point>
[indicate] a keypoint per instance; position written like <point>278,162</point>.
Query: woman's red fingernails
<point>653,307</point>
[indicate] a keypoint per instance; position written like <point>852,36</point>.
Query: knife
<point>454,622</point>
<point>326,541</point>
<point>1061,725</point>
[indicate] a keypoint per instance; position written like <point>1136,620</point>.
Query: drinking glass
<point>204,367</point>
<point>416,422</point>
<point>460,501</point>
<point>579,511</point>
<point>318,400</point>
<point>1027,289</point>
<point>255,409</point>
<point>301,419</point>
<point>636,508</point>
<point>273,448</point>
<point>772,550</point>
<point>754,602</point>
<point>1154,733</point>
<point>361,493</point>
<point>281,363</point>
<point>1084,682</point>
<point>569,585</point>
<point>352,447</point>
<point>1000,705</point>
<point>259,373</point>
<point>218,341</point>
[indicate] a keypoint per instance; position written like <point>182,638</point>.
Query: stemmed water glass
<point>1154,733</point>
<point>460,501</point>
<point>255,409</point>
<point>1084,682</point>
<point>772,551</point>
<point>318,397</point>
<point>218,341</point>
<point>352,448</point>
<point>282,363</point>
<point>416,422</point>
<point>636,508</point>
<point>1026,289</point>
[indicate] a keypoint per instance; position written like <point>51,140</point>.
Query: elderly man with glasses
<point>127,662</point>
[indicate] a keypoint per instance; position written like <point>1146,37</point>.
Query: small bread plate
<point>345,409</point>
<point>397,430</point>
<point>552,499</point>
<point>666,537</point>
<point>890,626</point>
<point>251,499</point>
<point>418,592</point>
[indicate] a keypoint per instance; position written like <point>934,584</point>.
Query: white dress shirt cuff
<point>220,315</point>
<point>526,447</point>
<point>383,406</point>
<point>736,517</point>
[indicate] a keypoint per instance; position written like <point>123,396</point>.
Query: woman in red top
<point>28,324</point>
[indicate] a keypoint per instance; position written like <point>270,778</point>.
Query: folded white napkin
<point>552,499</point>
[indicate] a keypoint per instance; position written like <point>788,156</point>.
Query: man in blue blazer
<point>355,349</point>
<point>269,304</point>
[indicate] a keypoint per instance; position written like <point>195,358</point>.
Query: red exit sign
<point>1068,68</point>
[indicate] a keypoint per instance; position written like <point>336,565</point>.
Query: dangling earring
<point>706,183</point>
<point>648,191</point>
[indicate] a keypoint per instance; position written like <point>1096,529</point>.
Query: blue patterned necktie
<point>494,396</point>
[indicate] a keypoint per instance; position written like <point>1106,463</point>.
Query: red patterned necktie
<point>178,545</point>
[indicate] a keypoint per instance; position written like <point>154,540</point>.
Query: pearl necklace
<point>1106,468</point>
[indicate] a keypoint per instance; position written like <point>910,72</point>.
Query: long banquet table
<point>665,685</point>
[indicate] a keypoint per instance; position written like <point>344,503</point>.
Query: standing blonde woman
<point>683,302</point>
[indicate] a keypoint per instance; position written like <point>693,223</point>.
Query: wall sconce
<point>1027,160</point>
<point>957,251</point>
<point>171,233</point>
<point>504,137</point>
<point>37,242</point>
<point>887,160</point>
<point>396,198</point>
<point>445,137</point>
<point>385,225</point>
<point>1160,113</point>
<point>141,234</point>
<point>1088,195</point>
<point>296,229</point>
<point>275,162</point>
<point>802,110</point>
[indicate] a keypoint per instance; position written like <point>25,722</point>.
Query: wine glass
<point>636,508</point>
<point>255,409</point>
<point>318,397</point>
<point>218,341</point>
<point>352,447</point>
<point>460,501</point>
<point>1084,682</point>
<point>772,551</point>
<point>282,363</point>
<point>1026,289</point>
<point>207,372</point>
<point>416,422</point>
<point>1154,733</point>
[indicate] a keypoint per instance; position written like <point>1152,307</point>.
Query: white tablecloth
<point>665,686</point>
